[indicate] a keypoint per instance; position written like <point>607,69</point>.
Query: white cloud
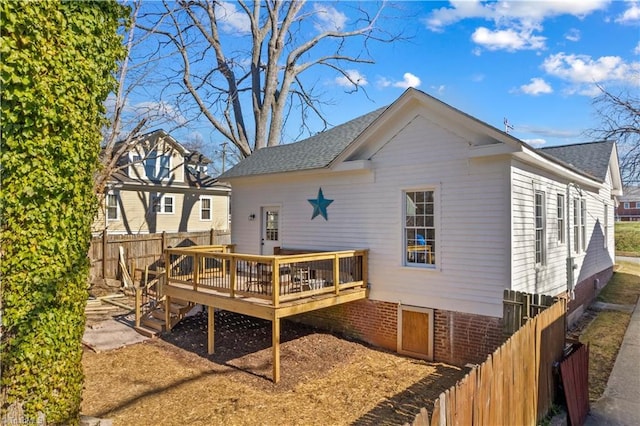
<point>353,76</point>
<point>535,142</point>
<point>505,11</point>
<point>631,15</point>
<point>409,80</point>
<point>637,49</point>
<point>477,78</point>
<point>232,20</point>
<point>439,89</point>
<point>584,69</point>
<point>160,111</point>
<point>536,87</point>
<point>328,18</point>
<point>509,39</point>
<point>573,35</point>
<point>515,23</point>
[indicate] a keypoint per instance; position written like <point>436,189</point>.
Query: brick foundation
<point>459,338</point>
<point>586,291</point>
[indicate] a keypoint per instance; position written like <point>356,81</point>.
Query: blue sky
<point>534,63</point>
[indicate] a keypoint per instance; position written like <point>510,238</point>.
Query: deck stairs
<point>153,320</point>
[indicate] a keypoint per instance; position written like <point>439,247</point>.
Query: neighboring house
<point>452,211</point>
<point>162,186</point>
<point>629,208</point>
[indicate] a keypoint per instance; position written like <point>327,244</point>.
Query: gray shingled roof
<point>591,157</point>
<point>316,152</point>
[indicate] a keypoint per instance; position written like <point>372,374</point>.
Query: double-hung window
<point>583,224</point>
<point>157,165</point>
<point>576,225</point>
<point>162,204</point>
<point>560,218</point>
<point>419,228</point>
<point>112,207</point>
<point>540,226</point>
<point>205,208</point>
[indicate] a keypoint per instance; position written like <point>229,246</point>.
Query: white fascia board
<point>492,150</point>
<point>347,166</point>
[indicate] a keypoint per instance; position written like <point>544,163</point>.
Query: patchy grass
<point>605,333</point>
<point>604,336</point>
<point>624,287</point>
<point>627,238</point>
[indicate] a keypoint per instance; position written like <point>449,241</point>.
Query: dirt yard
<point>325,379</point>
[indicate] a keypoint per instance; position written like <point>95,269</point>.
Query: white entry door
<point>270,229</point>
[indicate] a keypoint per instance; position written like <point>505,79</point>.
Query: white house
<point>452,210</point>
<point>160,185</point>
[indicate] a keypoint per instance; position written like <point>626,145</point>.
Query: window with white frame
<point>560,217</point>
<point>205,208</point>
<point>576,225</point>
<point>540,226</point>
<point>111,203</point>
<point>626,206</point>
<point>162,204</point>
<point>419,228</point>
<point>583,224</point>
<point>157,165</point>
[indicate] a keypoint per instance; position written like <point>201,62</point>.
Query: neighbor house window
<point>419,228</point>
<point>157,166</point>
<point>162,204</point>
<point>205,208</point>
<point>626,206</point>
<point>560,218</point>
<point>576,225</point>
<point>112,207</point>
<point>540,226</point>
<point>583,224</point>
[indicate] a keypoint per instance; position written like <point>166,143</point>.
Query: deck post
<point>275,283</point>
<point>275,344</point>
<point>336,274</point>
<point>210,330</point>
<point>232,275</point>
<point>167,312</point>
<point>196,270</point>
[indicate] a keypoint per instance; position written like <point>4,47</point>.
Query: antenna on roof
<point>507,125</point>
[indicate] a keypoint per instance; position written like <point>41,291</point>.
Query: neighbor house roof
<point>319,151</point>
<point>590,157</point>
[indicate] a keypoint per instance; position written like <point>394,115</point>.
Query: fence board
<point>515,385</point>
<point>144,249</point>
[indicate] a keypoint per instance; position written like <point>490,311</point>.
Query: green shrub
<point>58,60</point>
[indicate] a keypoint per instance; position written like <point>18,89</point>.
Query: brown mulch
<point>325,379</point>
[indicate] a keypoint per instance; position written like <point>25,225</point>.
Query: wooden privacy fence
<point>515,385</point>
<point>144,249</point>
<point>518,307</point>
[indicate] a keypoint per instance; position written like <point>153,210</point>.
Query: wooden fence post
<point>164,242</point>
<point>104,253</point>
<point>211,237</point>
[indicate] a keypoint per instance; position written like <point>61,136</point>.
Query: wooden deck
<point>267,287</point>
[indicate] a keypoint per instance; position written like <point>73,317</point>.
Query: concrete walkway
<point>620,403</point>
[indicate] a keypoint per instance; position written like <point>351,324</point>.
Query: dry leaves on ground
<point>325,379</point>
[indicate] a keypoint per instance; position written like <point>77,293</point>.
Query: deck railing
<point>275,279</point>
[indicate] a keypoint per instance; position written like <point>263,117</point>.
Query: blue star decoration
<point>320,205</point>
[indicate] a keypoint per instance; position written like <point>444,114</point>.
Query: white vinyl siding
<point>368,212</point>
<point>583,224</point>
<point>576,225</point>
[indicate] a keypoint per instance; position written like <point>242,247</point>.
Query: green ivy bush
<point>58,62</point>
